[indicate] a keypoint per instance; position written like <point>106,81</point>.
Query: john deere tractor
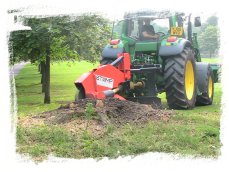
<point>137,69</point>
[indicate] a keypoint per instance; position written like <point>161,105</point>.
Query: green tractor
<point>173,56</point>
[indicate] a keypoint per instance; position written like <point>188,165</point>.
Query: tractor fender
<point>174,48</point>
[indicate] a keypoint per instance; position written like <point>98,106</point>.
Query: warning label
<point>104,81</point>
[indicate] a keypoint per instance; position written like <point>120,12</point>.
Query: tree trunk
<point>39,68</point>
<point>47,77</point>
<point>210,54</point>
<point>43,76</point>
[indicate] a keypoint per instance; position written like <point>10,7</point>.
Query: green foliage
<point>59,38</point>
<point>212,20</point>
<point>89,111</point>
<point>81,37</point>
<point>209,37</point>
<point>209,40</point>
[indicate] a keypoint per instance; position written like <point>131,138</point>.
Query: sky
<point>112,9</point>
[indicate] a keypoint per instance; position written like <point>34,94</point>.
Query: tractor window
<point>160,25</point>
<point>133,29</point>
<point>117,30</point>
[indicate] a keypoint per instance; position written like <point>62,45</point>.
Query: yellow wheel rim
<point>210,87</point>
<point>189,80</point>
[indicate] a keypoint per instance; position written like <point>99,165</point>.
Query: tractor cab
<point>154,26</point>
<point>141,35</point>
<point>144,34</point>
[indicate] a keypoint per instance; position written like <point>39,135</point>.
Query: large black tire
<point>180,80</point>
<point>205,83</point>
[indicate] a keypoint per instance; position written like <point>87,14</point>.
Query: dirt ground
<point>94,115</point>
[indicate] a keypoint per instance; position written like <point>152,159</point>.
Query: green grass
<point>188,132</point>
<point>212,60</point>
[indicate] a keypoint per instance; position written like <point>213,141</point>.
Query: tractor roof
<point>151,14</point>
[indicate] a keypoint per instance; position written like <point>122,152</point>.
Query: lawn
<point>63,75</point>
<point>212,60</point>
<point>188,132</point>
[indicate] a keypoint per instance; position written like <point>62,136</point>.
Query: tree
<point>208,36</point>
<point>59,38</point>
<point>209,40</point>
<point>212,20</point>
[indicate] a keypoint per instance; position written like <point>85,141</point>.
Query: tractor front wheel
<point>180,80</point>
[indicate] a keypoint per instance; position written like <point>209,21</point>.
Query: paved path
<point>15,69</point>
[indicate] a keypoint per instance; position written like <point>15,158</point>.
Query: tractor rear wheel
<point>180,80</point>
<point>205,82</point>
